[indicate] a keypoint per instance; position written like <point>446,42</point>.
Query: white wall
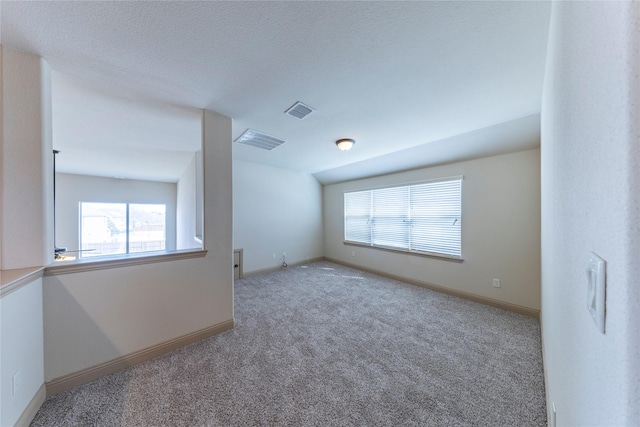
<point>73,189</point>
<point>22,349</point>
<point>27,161</point>
<point>500,229</point>
<point>590,187</point>
<point>186,209</point>
<point>26,221</point>
<point>1,165</point>
<point>96,316</point>
<point>275,211</point>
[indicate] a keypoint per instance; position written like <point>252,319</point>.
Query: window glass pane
<point>436,217</point>
<point>357,217</point>
<point>103,229</point>
<point>421,218</point>
<point>147,224</point>
<point>390,217</point>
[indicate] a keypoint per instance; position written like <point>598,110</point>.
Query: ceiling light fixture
<point>345,144</point>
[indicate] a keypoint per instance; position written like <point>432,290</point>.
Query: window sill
<point>404,251</point>
<point>103,263</point>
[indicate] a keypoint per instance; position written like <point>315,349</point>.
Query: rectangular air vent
<point>259,140</point>
<point>299,110</point>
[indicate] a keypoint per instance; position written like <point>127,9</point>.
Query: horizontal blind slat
<point>422,218</point>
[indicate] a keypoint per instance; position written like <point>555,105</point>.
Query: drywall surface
<point>500,229</point>
<point>186,209</point>
<point>590,186</point>
<point>275,211</point>
<point>26,219</point>
<point>96,316</point>
<point>26,156</point>
<point>47,162</point>
<point>22,349</point>
<point>73,189</point>
<point>1,165</point>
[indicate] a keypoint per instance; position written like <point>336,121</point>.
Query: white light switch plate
<point>596,283</point>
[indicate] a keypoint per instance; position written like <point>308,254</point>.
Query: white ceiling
<point>417,79</point>
<point>105,134</point>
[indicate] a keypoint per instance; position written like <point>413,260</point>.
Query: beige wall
<point>97,316</point>
<point>186,203</point>
<point>73,189</point>
<point>27,169</point>
<point>500,229</point>
<point>275,211</point>
<point>591,203</point>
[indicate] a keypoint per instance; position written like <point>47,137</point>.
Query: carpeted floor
<point>326,345</point>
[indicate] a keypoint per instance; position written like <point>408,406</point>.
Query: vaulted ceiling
<point>417,82</point>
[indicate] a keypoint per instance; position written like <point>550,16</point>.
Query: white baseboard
<point>84,376</point>
<point>32,408</point>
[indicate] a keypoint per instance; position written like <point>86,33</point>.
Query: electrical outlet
<point>496,283</point>
<point>16,382</point>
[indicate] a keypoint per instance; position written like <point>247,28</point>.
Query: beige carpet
<point>325,345</point>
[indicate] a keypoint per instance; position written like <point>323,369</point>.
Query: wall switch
<point>274,255</point>
<point>16,382</point>
<point>353,253</point>
<point>496,283</point>
<point>596,284</point>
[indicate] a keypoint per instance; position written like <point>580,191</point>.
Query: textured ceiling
<point>392,75</point>
<point>99,133</point>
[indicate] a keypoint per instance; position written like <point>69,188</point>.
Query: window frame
<point>127,246</point>
<point>409,249</point>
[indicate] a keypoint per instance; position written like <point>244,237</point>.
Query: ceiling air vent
<point>259,140</point>
<point>299,110</point>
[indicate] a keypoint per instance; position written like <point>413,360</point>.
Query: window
<point>423,218</point>
<point>121,228</point>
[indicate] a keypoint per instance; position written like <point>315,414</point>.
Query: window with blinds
<point>423,218</point>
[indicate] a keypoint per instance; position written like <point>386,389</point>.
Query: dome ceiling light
<point>345,144</point>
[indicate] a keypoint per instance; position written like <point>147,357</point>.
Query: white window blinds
<point>423,218</point>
